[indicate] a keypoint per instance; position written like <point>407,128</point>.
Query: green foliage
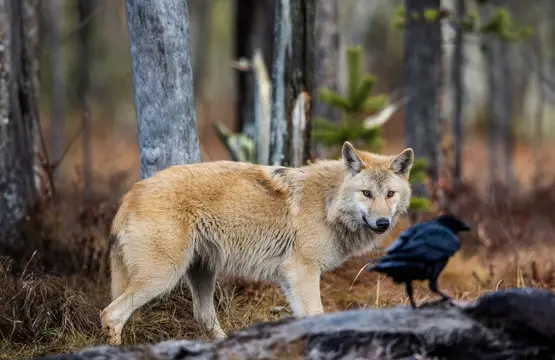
<point>399,17</point>
<point>431,15</point>
<point>418,171</point>
<point>470,21</point>
<point>356,105</point>
<point>502,26</point>
<point>419,204</point>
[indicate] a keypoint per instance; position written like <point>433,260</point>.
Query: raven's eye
<point>367,193</point>
<point>390,194</point>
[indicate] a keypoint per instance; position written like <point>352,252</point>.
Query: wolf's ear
<point>403,162</point>
<point>352,162</point>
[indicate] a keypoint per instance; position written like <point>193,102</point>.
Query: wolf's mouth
<point>374,229</point>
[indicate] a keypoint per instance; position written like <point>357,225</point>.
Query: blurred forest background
<point>92,60</point>
<point>499,88</point>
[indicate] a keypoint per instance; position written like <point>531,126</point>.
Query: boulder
<point>507,324</point>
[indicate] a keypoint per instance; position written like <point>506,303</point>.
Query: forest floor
<point>52,296</point>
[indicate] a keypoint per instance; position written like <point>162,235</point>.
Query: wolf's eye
<point>367,193</point>
<point>390,193</point>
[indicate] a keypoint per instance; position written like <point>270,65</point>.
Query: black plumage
<point>421,253</point>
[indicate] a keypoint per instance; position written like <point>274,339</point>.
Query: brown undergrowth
<point>53,294</point>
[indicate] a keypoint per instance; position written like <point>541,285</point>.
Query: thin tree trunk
<point>326,55</point>
<point>54,20</point>
<point>254,28</point>
<point>293,80</point>
<point>539,118</point>
<point>278,122</point>
<point>422,70</point>
<point>506,113</point>
<point>458,94</point>
<point>490,50</point>
<point>200,38</point>
<point>327,43</point>
<point>163,84</point>
<point>18,117</point>
<point>85,11</point>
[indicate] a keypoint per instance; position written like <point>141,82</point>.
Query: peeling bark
<point>163,84</point>
<point>292,74</point>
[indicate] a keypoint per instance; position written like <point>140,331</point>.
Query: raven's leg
<point>433,288</point>
<point>408,287</point>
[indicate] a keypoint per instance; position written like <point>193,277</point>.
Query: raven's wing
<point>430,244</point>
<point>404,238</point>
<point>390,264</point>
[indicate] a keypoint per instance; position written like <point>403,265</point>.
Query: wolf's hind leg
<point>140,290</point>
<point>202,282</point>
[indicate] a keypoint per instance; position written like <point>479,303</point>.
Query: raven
<point>421,252</point>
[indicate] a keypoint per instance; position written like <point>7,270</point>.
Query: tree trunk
<point>493,113</point>
<point>422,71</point>
<point>254,28</point>
<point>54,20</point>
<point>200,21</point>
<point>292,80</point>
<point>489,44</point>
<point>499,112</point>
<point>18,116</point>
<point>506,115</point>
<point>163,84</point>
<point>458,94</point>
<point>327,56</point>
<point>85,11</point>
<point>539,118</point>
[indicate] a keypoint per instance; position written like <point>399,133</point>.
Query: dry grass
<point>52,295</point>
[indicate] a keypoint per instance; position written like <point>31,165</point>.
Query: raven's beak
<point>466,227</point>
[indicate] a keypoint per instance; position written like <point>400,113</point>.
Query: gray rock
<point>509,324</point>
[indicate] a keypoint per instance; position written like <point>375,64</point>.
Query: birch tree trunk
<point>18,116</point>
<point>422,71</point>
<point>292,82</point>
<point>163,84</point>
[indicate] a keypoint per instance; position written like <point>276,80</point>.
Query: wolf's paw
<point>112,336</point>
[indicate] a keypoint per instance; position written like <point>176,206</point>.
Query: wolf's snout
<point>382,224</point>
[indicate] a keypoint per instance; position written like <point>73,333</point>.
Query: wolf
<point>261,223</point>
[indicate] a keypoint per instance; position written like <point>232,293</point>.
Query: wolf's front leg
<point>302,289</point>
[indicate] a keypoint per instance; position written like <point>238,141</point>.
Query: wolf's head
<point>375,188</point>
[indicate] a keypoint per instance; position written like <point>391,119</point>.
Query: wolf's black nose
<point>382,224</point>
